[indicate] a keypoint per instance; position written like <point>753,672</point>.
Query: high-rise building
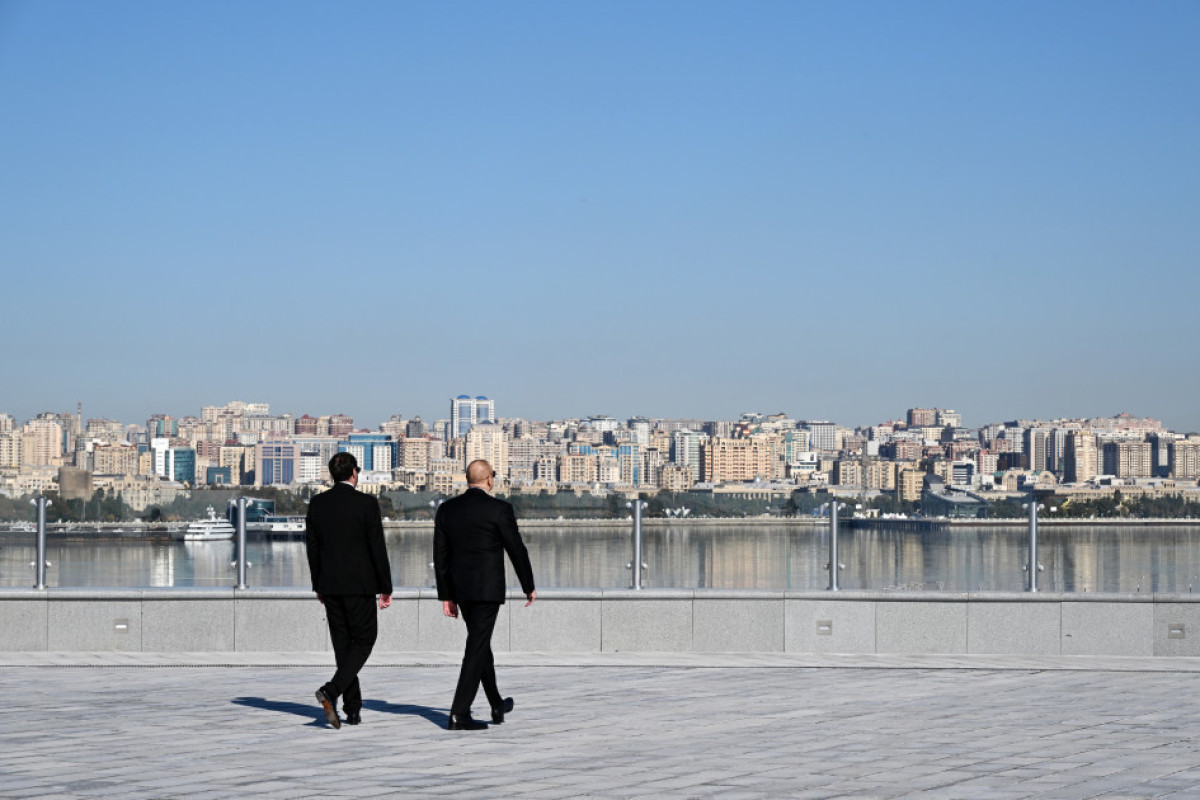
<point>365,446</point>
<point>43,441</point>
<point>1081,457</point>
<point>1183,459</point>
<point>922,417</point>
<point>276,463</point>
<point>822,435</point>
<point>735,460</point>
<point>467,411</point>
<point>11,446</point>
<point>631,460</point>
<point>685,451</point>
<point>1127,459</point>
<point>488,441</point>
<point>181,465</point>
<point>340,426</point>
<point>1035,447</point>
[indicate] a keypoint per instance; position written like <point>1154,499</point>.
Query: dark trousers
<point>352,629</point>
<point>478,665</point>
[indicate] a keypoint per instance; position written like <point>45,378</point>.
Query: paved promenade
<point>237,725</point>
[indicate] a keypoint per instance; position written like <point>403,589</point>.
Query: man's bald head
<point>479,472</point>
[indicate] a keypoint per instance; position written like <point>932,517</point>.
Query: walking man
<point>472,532</point>
<point>349,566</point>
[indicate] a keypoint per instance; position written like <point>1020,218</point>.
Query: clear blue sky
<point>837,210</point>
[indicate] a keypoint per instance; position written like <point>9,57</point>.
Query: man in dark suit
<point>472,532</point>
<point>349,566</point>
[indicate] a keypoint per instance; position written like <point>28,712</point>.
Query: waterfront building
<point>735,460</point>
<point>340,426</point>
<point>1127,459</point>
<point>11,448</point>
<point>413,453</point>
<point>823,435</point>
<point>847,472</point>
<point>159,446</point>
<point>653,461</point>
<point>1183,459</point>
<point>675,478</point>
<point>218,476</point>
<point>921,417</point>
<point>43,442</point>
<point>630,461</point>
<point>879,474</point>
<point>1081,457</point>
<point>467,411</point>
<point>488,441</point>
<point>948,418</point>
<point>162,426</point>
<point>1036,447</point>
<point>114,459</point>
<point>276,463</point>
<point>578,468</point>
<point>685,451</point>
<point>608,468</point>
<point>365,446</point>
<point>181,465</point>
<point>238,459</point>
<point>910,482</point>
<point>312,467</point>
<point>108,431</point>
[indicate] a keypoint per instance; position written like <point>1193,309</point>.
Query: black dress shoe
<point>465,722</point>
<point>353,718</point>
<point>498,712</point>
<point>327,706</point>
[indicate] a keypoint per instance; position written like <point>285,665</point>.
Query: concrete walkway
<point>597,725</point>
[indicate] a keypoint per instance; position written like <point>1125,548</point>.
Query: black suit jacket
<point>471,534</point>
<point>344,538</point>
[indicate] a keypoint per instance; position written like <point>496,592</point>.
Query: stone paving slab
<point>223,725</point>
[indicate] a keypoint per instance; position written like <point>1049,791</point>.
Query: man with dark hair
<point>349,565</point>
<point>472,532</point>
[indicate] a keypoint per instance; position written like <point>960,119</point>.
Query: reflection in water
<point>1082,558</point>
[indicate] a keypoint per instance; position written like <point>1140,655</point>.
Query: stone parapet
<point>612,620</point>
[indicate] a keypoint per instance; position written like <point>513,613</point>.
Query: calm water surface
<point>1085,558</point>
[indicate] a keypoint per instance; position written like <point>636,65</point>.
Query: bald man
<point>472,532</point>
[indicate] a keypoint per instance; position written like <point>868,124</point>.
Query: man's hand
<point>450,608</point>
<point>532,596</point>
<point>385,600</point>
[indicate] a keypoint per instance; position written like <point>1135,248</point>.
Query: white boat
<point>277,524</point>
<point>207,530</point>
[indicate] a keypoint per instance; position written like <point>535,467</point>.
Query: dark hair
<point>342,466</point>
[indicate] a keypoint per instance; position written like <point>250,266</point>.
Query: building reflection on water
<point>1083,558</point>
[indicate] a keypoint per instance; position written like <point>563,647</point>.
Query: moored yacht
<point>211,529</point>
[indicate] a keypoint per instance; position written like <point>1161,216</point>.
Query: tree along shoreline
<point>105,506</point>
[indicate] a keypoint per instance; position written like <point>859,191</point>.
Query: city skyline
<point>690,209</point>
<point>446,415</point>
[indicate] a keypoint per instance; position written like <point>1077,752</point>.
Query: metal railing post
<point>241,542</point>
<point>1033,545</point>
<point>834,566</point>
<point>636,565</point>
<point>40,564</point>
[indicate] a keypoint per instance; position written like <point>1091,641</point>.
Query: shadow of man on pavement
<point>434,715</point>
<point>284,707</point>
